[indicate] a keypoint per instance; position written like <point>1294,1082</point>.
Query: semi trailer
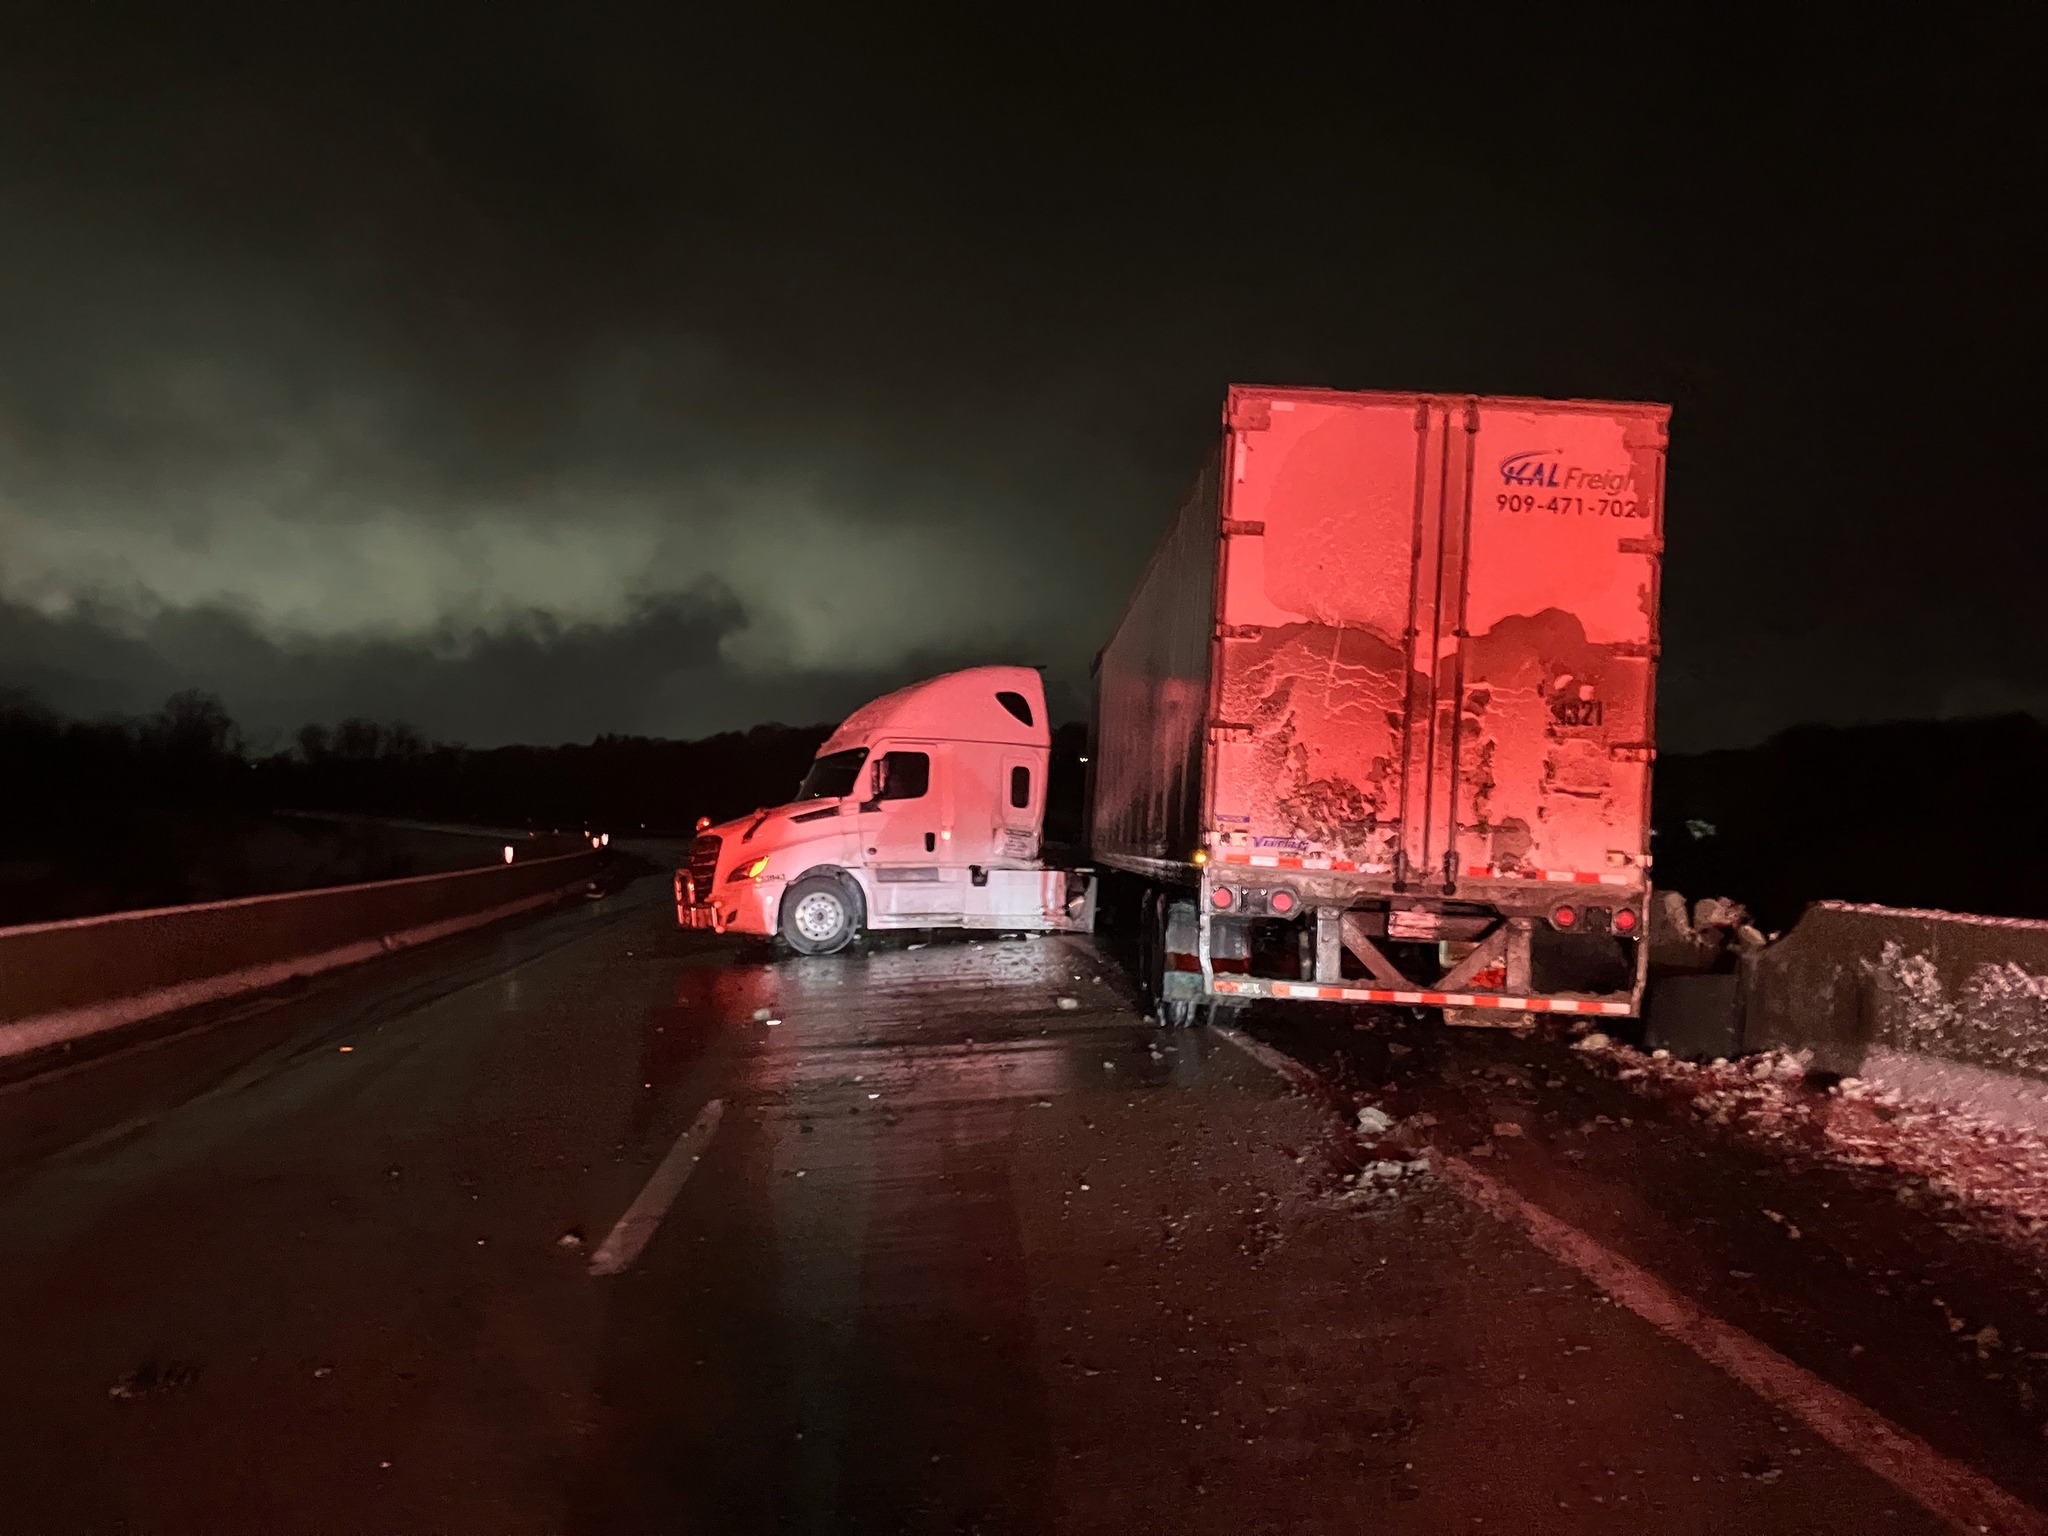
<point>923,810</point>
<point>1376,725</point>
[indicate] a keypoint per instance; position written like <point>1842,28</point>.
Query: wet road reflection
<point>971,1248</point>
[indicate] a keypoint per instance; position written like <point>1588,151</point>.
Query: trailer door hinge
<point>1642,546</point>
<point>1240,631</point>
<point>1237,527</point>
<point>1632,752</point>
<point>1636,649</point>
<point>1226,730</point>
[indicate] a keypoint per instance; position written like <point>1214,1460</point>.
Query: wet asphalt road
<point>956,1258</point>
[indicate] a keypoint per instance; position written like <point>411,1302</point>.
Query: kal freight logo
<point>1546,469</point>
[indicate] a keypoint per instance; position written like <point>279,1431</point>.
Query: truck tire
<point>819,917</point>
<point>1151,938</point>
<point>1173,1013</point>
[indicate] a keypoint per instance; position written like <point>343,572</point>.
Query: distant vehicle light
<point>1283,901</point>
<point>703,822</point>
<point>508,853</point>
<point>604,839</point>
<point>1222,898</point>
<point>1624,921</point>
<point>1201,856</point>
<point>1565,917</point>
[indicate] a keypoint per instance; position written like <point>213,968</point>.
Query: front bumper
<point>745,906</point>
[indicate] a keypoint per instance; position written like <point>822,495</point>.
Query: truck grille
<point>704,865</point>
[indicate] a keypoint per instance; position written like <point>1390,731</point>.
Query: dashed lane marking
<point>622,1246</point>
<point>1944,1487</point>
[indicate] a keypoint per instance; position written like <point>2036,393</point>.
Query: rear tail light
<point>1283,902</point>
<point>1565,917</point>
<point>1624,921</point>
<point>1222,898</point>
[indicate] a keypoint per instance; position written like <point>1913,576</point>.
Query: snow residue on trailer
<point>1989,1172</point>
<point>1323,708</point>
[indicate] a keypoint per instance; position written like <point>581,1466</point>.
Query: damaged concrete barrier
<point>1853,982</point>
<point>64,981</point>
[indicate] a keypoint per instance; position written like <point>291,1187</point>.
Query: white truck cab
<point>923,810</point>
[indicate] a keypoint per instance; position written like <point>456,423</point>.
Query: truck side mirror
<point>875,787</point>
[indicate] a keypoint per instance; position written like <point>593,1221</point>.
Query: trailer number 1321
<point>1563,506</point>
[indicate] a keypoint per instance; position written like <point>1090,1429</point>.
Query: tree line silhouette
<point>102,815</point>
<point>191,755</point>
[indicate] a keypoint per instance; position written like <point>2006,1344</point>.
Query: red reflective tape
<point>1253,987</point>
<point>1556,876</point>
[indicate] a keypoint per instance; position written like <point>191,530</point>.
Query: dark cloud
<point>532,373</point>
<point>658,671</point>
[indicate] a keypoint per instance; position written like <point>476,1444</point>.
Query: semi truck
<point>924,810</point>
<point>1376,725</point>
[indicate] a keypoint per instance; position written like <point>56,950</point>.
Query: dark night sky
<point>529,375</point>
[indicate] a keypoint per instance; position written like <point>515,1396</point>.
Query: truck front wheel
<point>818,916</point>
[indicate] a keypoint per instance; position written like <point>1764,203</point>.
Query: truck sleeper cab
<point>923,810</point>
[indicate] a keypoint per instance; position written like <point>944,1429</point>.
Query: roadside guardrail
<point>64,981</point>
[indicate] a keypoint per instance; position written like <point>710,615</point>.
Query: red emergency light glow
<point>1222,898</point>
<point>1624,921</point>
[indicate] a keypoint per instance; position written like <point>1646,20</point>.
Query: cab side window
<point>903,776</point>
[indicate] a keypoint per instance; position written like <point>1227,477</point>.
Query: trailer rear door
<point>1327,496</point>
<point>1436,635</point>
<point>1546,678</point>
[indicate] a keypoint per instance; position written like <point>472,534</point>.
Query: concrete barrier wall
<point>1850,980</point>
<point>60,981</point>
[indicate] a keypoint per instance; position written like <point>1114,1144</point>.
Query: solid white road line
<point>1302,1077</point>
<point>617,1252</point>
<point>1944,1487</point>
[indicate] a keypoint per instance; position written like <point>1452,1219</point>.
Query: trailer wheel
<point>1152,953</point>
<point>818,918</point>
<point>1141,952</point>
<point>1177,1012</point>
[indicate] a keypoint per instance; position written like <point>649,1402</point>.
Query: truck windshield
<point>833,776</point>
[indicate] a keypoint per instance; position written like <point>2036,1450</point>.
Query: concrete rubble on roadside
<point>1990,1173</point>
